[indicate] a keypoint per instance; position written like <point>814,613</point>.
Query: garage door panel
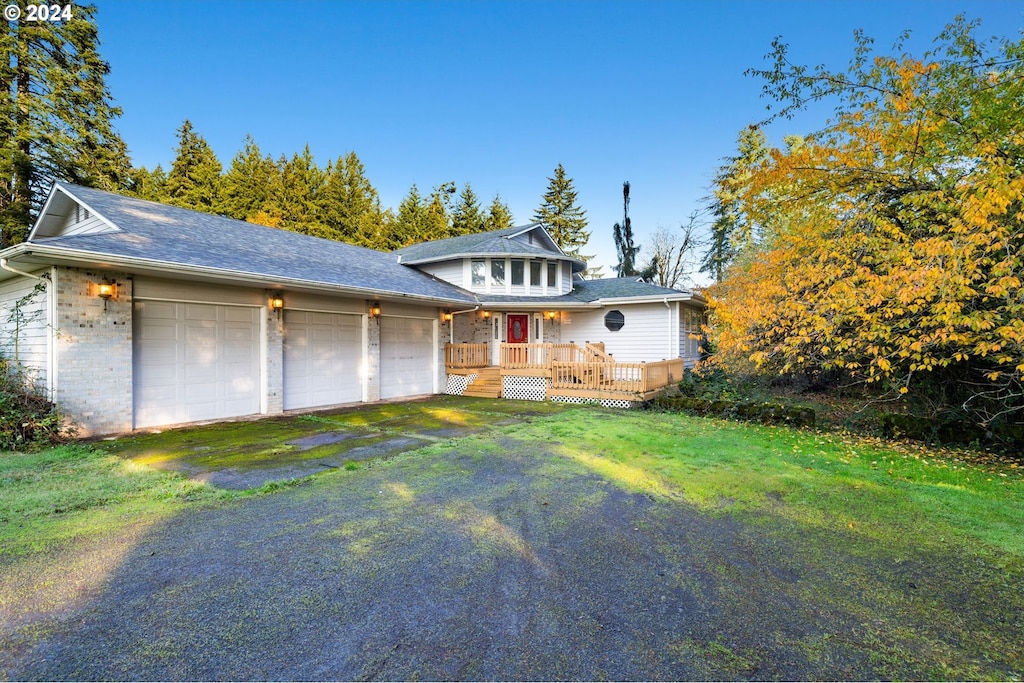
<point>192,364</point>
<point>323,353</point>
<point>407,361</point>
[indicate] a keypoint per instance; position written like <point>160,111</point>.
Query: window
<point>614,320</point>
<point>498,272</point>
<point>478,273</point>
<point>552,275</point>
<point>517,271</point>
<point>535,274</point>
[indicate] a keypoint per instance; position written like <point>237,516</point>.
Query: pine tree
<point>729,230</point>
<point>146,184</point>
<point>499,217</point>
<point>623,235</point>
<point>566,221</point>
<point>297,196</point>
<point>407,225</point>
<point>350,205</point>
<point>56,116</point>
<point>195,178</point>
<point>245,188</point>
<point>468,218</point>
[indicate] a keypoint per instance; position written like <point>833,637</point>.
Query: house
<point>134,314</point>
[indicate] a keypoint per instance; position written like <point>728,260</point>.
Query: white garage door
<point>407,357</point>
<point>322,358</point>
<point>194,362</point>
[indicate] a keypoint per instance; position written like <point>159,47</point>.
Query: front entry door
<point>518,329</point>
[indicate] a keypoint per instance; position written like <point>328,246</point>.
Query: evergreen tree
<point>566,221</point>
<point>245,189</point>
<point>56,116</point>
<point>468,218</point>
<point>146,184</point>
<point>623,234</point>
<point>297,196</point>
<point>729,230</point>
<point>499,217</point>
<point>195,178</point>
<point>351,206</point>
<point>408,224</point>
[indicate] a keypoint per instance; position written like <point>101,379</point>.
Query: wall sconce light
<point>550,315</point>
<point>375,309</point>
<point>485,314</point>
<point>446,316</point>
<point>276,303</point>
<point>106,290</point>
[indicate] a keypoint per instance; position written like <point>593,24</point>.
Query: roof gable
<point>65,214</point>
<point>526,241</point>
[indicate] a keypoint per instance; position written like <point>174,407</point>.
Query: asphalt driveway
<point>483,556</point>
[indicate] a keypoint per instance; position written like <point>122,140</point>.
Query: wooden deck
<point>572,371</point>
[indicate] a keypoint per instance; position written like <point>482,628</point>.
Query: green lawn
<point>954,516</point>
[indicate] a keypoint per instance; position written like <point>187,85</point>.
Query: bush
<point>765,413</point>
<point>28,419</point>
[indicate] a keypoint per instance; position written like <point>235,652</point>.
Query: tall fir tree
<point>730,231</point>
<point>351,205</point>
<point>245,188</point>
<point>408,223</point>
<point>146,184</point>
<point>559,212</point>
<point>195,178</point>
<point>499,216</point>
<point>468,217</point>
<point>56,116</point>
<point>297,196</point>
<point>623,236</point>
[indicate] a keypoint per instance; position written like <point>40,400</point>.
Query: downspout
<point>670,328</point>
<point>451,328</point>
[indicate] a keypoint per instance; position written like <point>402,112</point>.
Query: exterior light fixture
<point>446,316</point>
<point>375,309</point>
<point>276,303</point>
<point>485,314</point>
<point>106,290</point>
<point>550,315</point>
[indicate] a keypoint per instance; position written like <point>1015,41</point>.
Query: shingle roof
<point>589,291</point>
<point>493,243</point>
<point>174,235</point>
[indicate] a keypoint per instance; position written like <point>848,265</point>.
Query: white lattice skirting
<point>457,384</point>
<point>606,402</point>
<point>525,388</point>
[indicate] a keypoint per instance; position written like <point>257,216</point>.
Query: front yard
<point>459,538</point>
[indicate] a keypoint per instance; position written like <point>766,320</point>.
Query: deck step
<point>486,384</point>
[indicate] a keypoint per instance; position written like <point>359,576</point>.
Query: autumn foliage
<point>889,244</point>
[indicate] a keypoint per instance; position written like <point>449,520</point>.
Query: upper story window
<point>552,274</point>
<point>498,272</point>
<point>518,266</point>
<point>535,270</point>
<point>478,275</point>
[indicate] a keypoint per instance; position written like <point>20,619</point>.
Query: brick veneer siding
<point>372,359</point>
<point>94,351</point>
<point>273,368</point>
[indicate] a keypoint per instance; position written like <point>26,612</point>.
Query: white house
<point>133,314</point>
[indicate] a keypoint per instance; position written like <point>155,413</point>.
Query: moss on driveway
<point>251,453</point>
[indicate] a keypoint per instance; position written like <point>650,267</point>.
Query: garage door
<point>407,357</point>
<point>322,357</point>
<point>194,362</point>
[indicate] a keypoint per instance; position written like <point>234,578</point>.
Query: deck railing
<point>571,366</point>
<point>467,355</point>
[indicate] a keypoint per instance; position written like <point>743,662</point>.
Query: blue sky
<point>492,93</point>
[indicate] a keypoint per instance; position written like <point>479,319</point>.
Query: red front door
<point>518,329</point>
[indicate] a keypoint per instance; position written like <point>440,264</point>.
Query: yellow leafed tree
<point>893,248</point>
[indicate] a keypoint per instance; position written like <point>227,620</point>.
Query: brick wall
<point>94,351</point>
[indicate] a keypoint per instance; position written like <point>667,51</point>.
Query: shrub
<point>28,419</point>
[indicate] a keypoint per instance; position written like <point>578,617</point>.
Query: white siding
<point>565,281</point>
<point>646,336</point>
<point>81,222</point>
<point>449,271</point>
<point>25,336</point>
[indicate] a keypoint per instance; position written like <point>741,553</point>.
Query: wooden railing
<point>467,355</point>
<point>631,378</point>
